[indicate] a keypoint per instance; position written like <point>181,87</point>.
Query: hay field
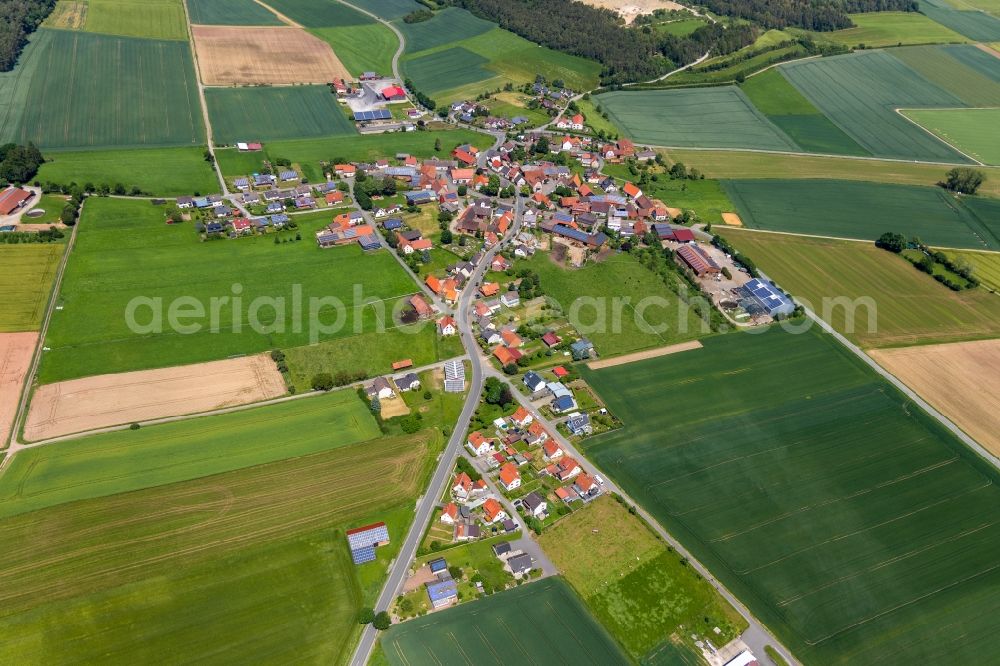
<point>29,270</point>
<point>84,90</point>
<point>961,380</point>
<point>79,405</point>
<point>230,12</point>
<point>891,29</point>
<point>976,132</point>
<point>719,117</point>
<point>268,114</point>
<point>127,460</point>
<point>907,307</point>
<point>252,56</point>
<point>531,622</point>
<point>16,350</point>
<point>630,581</point>
<point>174,573</point>
<point>865,211</point>
<point>859,92</point>
<point>124,250</point>
<point>848,521</point>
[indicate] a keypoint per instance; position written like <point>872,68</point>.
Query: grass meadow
<point>705,197</point>
<point>850,522</point>
<point>864,211</point>
<point>640,591</point>
<point>167,172</point>
<point>976,132</point>
<point>620,276</point>
<point>31,269</point>
<point>735,164</point>
<point>720,117</point>
<point>125,250</point>
<point>452,24</point>
<point>128,460</point>
<point>859,92</point>
<point>150,19</point>
<point>796,116</point>
<point>362,48</point>
<point>275,113</point>
<point>308,153</point>
<point>540,622</point>
<point>83,90</point>
<point>891,29</point>
<point>230,12</point>
<point>177,573</point>
<point>910,306</point>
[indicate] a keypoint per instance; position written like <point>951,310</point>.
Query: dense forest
<point>821,15</point>
<point>627,54</point>
<point>18,19</point>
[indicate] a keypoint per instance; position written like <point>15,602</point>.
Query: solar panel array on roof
<point>376,114</point>
<point>362,541</point>
<point>362,555</point>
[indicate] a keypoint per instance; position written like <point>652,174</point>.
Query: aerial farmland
<point>402,332</point>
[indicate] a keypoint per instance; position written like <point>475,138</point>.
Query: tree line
<point>627,54</point>
<point>820,15</point>
<point>18,19</point>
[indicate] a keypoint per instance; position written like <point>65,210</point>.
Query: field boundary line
<point>649,353</point>
<point>849,240</point>
<point>868,158</point>
<point>209,139</point>
<point>899,112</point>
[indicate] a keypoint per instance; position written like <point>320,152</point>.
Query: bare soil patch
<point>674,212</point>
<point>732,219</point>
<point>107,400</point>
<point>632,8</point>
<point>961,380</point>
<point>15,359</point>
<point>250,56</point>
<point>394,407</point>
<point>68,15</point>
<point>641,356</point>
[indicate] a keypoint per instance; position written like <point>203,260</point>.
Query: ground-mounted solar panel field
<point>272,113</point>
<point>720,117</point>
<point>851,209</point>
<point>84,90</point>
<point>125,251</point>
<point>849,521</point>
<point>230,12</point>
<point>542,622</point>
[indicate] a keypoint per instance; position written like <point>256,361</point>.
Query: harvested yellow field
<point>732,219</point>
<point>961,380</point>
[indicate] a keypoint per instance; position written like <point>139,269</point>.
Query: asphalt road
<point>426,504</point>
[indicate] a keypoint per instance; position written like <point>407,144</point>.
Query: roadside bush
<point>382,621</point>
<point>366,616</point>
<point>322,381</point>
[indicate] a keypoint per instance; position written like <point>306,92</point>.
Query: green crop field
<point>704,117</point>
<point>448,25</point>
<point>89,90</point>
<point>30,269</point>
<point>153,19</point>
<point>125,251</point>
<point>893,303</point>
<point>965,71</point>
<point>308,153</point>
<point>736,164</point>
<point>537,623</point>
<point>976,132</point>
<point>389,9</point>
<point>639,591</point>
<point>853,525</point>
<point>177,573</point>
<point>166,172</point>
<point>230,12</point>
<point>15,85</point>
<point>447,69</point>
<point>319,13</point>
<point>986,266</point>
<point>859,92</point>
<point>892,28</point>
<point>988,6</point>
<point>680,28</point>
<point>975,25</point>
<point>863,210</point>
<point>509,59</point>
<point>361,48</point>
<point>126,460</point>
<point>786,107</point>
<point>588,296</point>
<point>273,113</point>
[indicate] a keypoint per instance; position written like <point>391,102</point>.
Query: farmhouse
<point>697,260</point>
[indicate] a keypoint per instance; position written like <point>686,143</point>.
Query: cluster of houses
<point>470,112</point>
<point>385,388</point>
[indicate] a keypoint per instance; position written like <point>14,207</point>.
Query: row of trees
<point>19,164</point>
<point>18,19</point>
<point>822,15</point>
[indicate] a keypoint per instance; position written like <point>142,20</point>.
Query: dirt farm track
<point>106,400</point>
<point>249,56</point>
<point>960,379</point>
<point>15,357</point>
